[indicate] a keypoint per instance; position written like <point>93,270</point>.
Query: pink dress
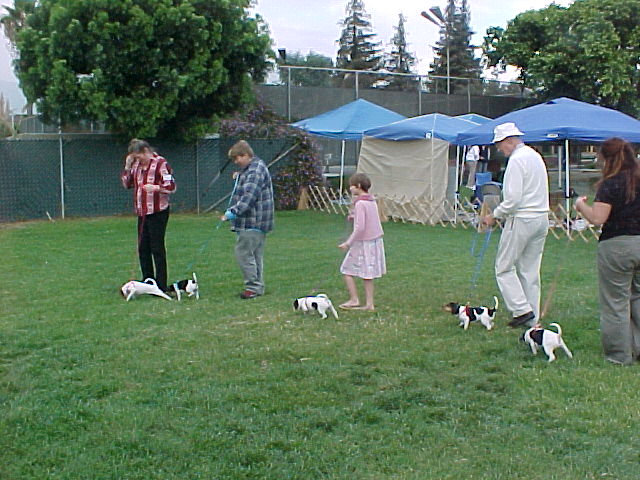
<point>365,257</point>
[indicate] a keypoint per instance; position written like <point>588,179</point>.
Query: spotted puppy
<point>134,288</point>
<point>546,339</point>
<point>188,286</point>
<point>320,303</point>
<point>466,314</point>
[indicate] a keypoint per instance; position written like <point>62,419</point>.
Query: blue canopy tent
<point>433,125</point>
<point>408,159</point>
<point>348,122</point>
<point>560,119</point>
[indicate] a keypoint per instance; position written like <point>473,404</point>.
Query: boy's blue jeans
<point>249,252</point>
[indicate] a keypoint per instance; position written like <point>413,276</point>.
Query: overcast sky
<point>313,25</point>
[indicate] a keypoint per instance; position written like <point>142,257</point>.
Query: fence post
<point>419,95</point>
<point>61,153</point>
<point>197,177</point>
<point>357,92</point>
<point>289,95</point>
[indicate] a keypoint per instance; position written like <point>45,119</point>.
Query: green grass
<point>92,387</point>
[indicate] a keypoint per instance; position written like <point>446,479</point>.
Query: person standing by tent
<point>152,181</point>
<point>617,208</point>
<point>483,159</point>
<point>525,210</point>
<point>251,214</point>
<point>471,163</point>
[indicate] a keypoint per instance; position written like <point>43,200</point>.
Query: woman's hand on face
<point>579,203</point>
<point>129,161</point>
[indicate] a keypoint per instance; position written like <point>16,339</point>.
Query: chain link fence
<point>303,92</point>
<point>70,175</point>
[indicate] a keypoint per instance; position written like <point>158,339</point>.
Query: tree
<point>589,51</point>
<point>307,78</point>
<point>400,60</point>
<point>357,47</point>
<point>143,68</point>
<point>455,34</point>
<point>5,118</point>
<point>14,20</point>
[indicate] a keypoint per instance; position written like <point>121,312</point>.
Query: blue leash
<point>204,246</point>
<point>479,255</point>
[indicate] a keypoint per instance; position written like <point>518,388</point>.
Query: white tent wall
<point>408,173</point>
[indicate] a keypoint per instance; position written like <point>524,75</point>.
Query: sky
<point>313,25</point>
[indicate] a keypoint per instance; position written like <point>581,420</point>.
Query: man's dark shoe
<point>247,294</point>
<point>522,319</point>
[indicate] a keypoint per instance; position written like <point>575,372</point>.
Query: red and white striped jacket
<point>158,172</point>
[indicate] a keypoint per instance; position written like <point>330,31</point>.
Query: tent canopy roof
<point>349,121</point>
<point>433,125</point>
<point>560,119</point>
<point>474,117</point>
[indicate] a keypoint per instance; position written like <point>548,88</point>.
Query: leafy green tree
<point>455,39</point>
<point>358,49</point>
<point>589,51</point>
<point>307,78</point>
<point>144,67</point>
<point>399,59</point>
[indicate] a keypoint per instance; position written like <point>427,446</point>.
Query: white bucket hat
<point>505,130</point>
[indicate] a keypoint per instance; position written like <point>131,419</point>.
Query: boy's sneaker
<point>247,294</point>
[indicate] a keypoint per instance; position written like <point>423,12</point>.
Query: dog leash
<point>206,243</point>
<point>479,255</point>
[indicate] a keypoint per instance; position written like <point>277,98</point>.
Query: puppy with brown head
<point>467,314</point>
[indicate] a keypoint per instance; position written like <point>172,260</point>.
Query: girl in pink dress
<point>365,247</point>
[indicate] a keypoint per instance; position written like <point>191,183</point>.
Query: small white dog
<point>466,314</point>
<point>320,302</point>
<point>188,286</point>
<point>539,337</point>
<point>134,288</point>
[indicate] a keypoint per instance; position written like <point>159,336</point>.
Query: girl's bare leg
<point>354,300</point>
<point>368,293</point>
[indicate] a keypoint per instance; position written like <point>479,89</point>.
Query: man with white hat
<point>525,211</point>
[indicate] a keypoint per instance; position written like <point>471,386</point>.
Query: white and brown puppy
<point>467,314</point>
<point>134,288</point>
<point>546,339</point>
<point>188,286</point>
<point>320,303</point>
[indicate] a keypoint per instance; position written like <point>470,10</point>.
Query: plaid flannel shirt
<point>252,201</point>
<point>158,172</point>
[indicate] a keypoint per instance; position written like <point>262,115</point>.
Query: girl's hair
<point>618,156</point>
<point>138,146</point>
<point>361,181</point>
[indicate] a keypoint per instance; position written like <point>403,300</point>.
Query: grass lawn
<point>93,387</point>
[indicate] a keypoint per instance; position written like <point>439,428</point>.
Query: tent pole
<point>455,192</point>
<point>566,185</point>
<point>341,169</point>
<point>560,150</point>
<point>462,162</point>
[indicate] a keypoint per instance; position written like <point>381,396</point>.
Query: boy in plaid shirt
<point>251,215</point>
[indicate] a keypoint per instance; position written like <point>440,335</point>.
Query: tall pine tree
<point>456,35</point>
<point>400,60</point>
<point>358,49</point>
